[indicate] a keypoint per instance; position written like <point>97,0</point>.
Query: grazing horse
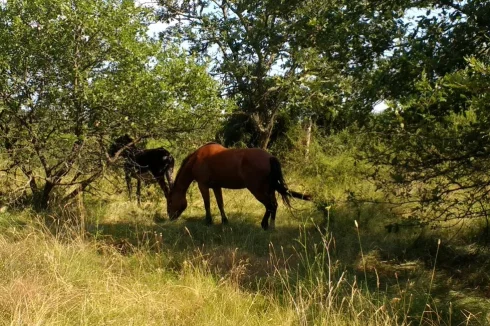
<point>149,165</point>
<point>214,167</point>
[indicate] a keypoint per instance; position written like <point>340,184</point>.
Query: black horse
<point>149,165</point>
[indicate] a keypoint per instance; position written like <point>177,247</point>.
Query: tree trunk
<point>308,137</point>
<point>82,211</point>
<point>33,184</point>
<point>264,132</point>
<point>32,181</point>
<point>264,138</point>
<point>82,186</point>
<point>43,201</point>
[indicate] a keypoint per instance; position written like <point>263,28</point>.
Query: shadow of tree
<point>251,257</point>
<point>239,247</point>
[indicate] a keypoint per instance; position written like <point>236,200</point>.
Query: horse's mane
<point>186,160</point>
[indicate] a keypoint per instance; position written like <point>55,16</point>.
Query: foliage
<point>340,45</point>
<point>436,43</point>
<point>431,140</point>
<point>288,59</point>
<point>75,74</point>
<point>441,161</point>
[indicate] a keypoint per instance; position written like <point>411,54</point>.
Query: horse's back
<point>255,162</point>
<point>153,156</point>
<point>217,154</point>
<point>156,151</point>
<point>209,149</point>
<point>216,165</point>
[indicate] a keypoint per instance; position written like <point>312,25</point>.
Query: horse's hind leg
<point>273,209</point>
<point>165,188</point>
<point>219,199</point>
<point>160,176</point>
<point>168,175</point>
<point>268,199</point>
<point>207,205</point>
<point>265,220</point>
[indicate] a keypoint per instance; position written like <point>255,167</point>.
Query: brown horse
<point>214,167</point>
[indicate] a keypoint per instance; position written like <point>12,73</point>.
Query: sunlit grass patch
<point>70,282</point>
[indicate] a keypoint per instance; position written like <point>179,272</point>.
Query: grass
<point>47,280</point>
<point>331,262</point>
<point>128,269</point>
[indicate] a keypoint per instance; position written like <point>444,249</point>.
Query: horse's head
<point>119,143</point>
<point>176,204</point>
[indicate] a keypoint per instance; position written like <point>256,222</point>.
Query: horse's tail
<point>278,183</point>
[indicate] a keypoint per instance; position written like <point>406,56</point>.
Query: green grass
<point>331,262</point>
<point>127,269</point>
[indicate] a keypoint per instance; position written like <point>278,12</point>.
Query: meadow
<point>398,230</point>
<point>102,259</point>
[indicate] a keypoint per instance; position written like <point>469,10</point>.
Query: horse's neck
<point>130,152</point>
<point>184,177</point>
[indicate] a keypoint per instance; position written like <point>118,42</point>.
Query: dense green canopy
<point>74,74</point>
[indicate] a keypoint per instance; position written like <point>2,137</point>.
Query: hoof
<point>224,221</point>
<point>264,226</point>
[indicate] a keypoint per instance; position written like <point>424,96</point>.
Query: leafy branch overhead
<point>441,160</point>
<point>75,74</point>
<point>283,59</point>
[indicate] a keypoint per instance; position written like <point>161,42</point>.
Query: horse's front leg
<point>163,185</point>
<point>127,177</point>
<point>138,190</point>
<point>168,175</point>
<point>205,196</point>
<point>219,199</point>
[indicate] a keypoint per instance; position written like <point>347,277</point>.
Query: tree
<point>75,73</point>
<point>439,162</point>
<point>247,40</point>
<point>296,60</point>
<point>432,139</point>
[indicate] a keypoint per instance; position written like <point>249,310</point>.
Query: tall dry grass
<point>46,280</point>
<point>187,274</point>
